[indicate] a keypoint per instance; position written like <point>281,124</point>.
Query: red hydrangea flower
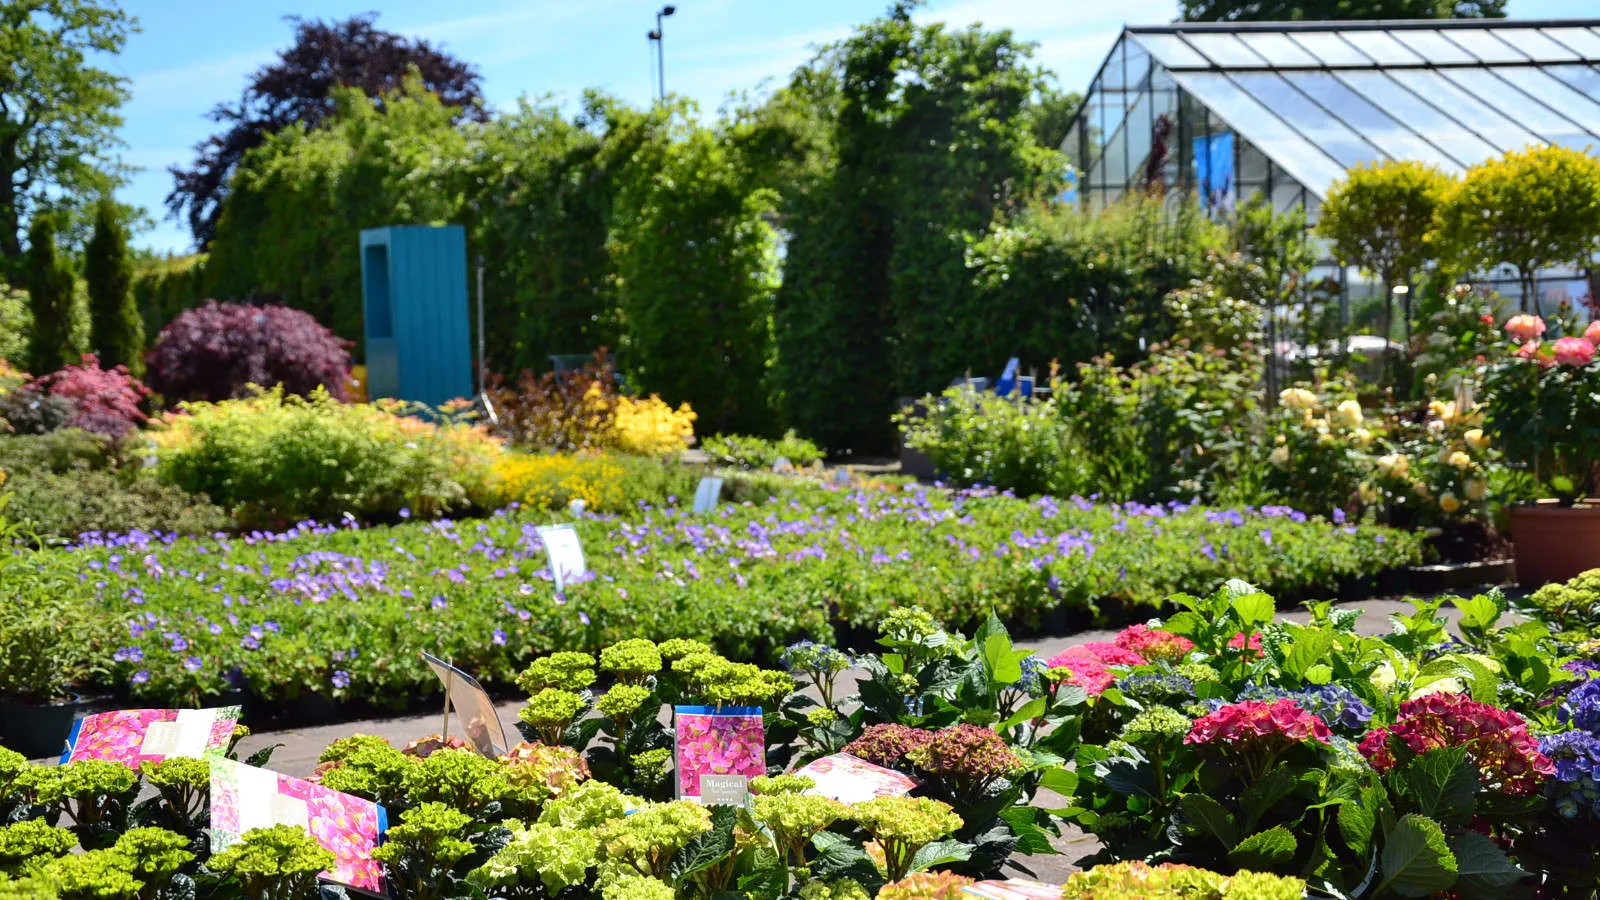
<point>1152,643</point>
<point>887,744</point>
<point>1089,664</point>
<point>1238,642</point>
<point>1496,739</point>
<point>1256,721</point>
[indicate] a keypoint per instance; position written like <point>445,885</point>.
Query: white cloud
<point>178,87</point>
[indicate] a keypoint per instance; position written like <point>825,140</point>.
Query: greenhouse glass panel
<point>1465,108</point>
<point>1574,104</point>
<point>1537,45</point>
<point>1433,46</point>
<point>1378,127</point>
<point>1583,78</point>
<point>1582,40</point>
<point>1278,50</point>
<point>1172,51</point>
<point>1534,115</point>
<point>1225,50</point>
<point>1384,50</point>
<point>1442,131</point>
<point>1331,49</point>
<point>1484,45</point>
<point>1335,138</point>
<point>1309,164</point>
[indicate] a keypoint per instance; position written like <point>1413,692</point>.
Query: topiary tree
<point>1380,217</point>
<point>218,350</point>
<point>50,286</point>
<point>1530,209</point>
<point>116,329</point>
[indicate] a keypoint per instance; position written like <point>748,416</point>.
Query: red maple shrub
<point>215,352</point>
<point>104,401</point>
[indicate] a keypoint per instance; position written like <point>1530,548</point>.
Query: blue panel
<point>421,353</point>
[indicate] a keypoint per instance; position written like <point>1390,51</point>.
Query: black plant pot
<point>38,732</point>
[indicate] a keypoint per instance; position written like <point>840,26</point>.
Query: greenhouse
<point>1284,109</point>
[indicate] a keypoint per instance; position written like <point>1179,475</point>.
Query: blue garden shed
<point>414,296</point>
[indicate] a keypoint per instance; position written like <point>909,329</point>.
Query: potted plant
<point>47,645</point>
<point>1543,401</point>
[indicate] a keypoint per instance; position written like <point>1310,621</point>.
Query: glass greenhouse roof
<point>1318,98</point>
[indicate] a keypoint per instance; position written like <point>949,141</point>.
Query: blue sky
<point>193,54</point>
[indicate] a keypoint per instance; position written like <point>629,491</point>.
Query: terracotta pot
<point>1554,543</point>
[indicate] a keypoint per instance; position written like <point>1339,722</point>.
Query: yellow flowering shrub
<point>650,427</point>
<point>1321,447</point>
<point>604,482</point>
<point>1438,472</point>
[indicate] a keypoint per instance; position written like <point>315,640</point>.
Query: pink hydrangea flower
<point>1574,351</point>
<point>1089,664</point>
<point>1508,758</point>
<point>1525,327</point>
<point>1152,643</point>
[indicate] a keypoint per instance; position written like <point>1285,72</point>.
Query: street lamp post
<point>661,52</point>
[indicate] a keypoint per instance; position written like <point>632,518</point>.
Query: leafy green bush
<point>57,507</point>
<point>59,451</point>
<point>975,437</point>
<point>750,452</point>
<point>276,459</point>
<point>50,638</point>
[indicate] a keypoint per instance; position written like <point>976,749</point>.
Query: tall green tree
<point>50,298</point>
<point>1321,10</point>
<point>1530,209</point>
<point>58,113</point>
<point>116,330</point>
<point>1380,218</point>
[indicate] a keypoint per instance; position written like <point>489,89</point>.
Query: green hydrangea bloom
<point>552,855</point>
<point>631,661</point>
<point>652,766</point>
<point>843,889</point>
<point>95,875</point>
<point>283,859</point>
<point>1134,880</point>
<point>12,764</point>
<point>427,830</point>
<point>550,712</point>
<point>374,772</point>
<point>721,682</point>
<point>908,624</point>
<point>33,887</point>
<point>623,700</point>
<point>345,747</point>
<point>538,772</point>
<point>1262,886</point>
<point>690,665</point>
<point>588,805</point>
<point>178,772</point>
<point>31,841</point>
<point>821,717</point>
<point>637,887</point>
<point>926,886</point>
<point>903,825</point>
<point>153,855</point>
<point>794,819</point>
<point>86,779</point>
<point>781,784</point>
<point>643,843</point>
<point>568,670</point>
<point>1158,724</point>
<point>458,778</point>
<point>677,648</point>
<point>1196,672</point>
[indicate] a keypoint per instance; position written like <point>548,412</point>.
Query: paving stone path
<point>301,746</point>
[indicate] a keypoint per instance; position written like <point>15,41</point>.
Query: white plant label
<point>565,552</point>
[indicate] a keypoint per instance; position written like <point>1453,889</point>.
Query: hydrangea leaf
<point>1416,861</point>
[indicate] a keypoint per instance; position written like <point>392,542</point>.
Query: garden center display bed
<point>340,613</point>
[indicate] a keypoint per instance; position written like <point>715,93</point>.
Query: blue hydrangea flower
<point>1575,787</point>
<point>1156,687</point>
<point>1336,705</point>
<point>805,657</point>
<point>1581,708</point>
<point>1032,680</point>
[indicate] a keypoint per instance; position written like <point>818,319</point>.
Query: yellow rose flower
<point>1369,494</point>
<point>1448,502</point>
<point>1475,439</point>
<point>1476,489</point>
<point>1297,398</point>
<point>1279,456</point>
<point>1394,464</point>
<point>1460,460</point>
<point>1348,414</point>
<point>1421,489</point>
<point>1363,437</point>
<point>1446,411</point>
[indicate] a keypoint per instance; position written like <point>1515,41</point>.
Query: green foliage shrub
<point>15,323</point>
<point>750,452</point>
<point>57,507</point>
<point>116,329</point>
<point>51,293</point>
<point>277,459</point>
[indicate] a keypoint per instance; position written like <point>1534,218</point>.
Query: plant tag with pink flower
<point>136,736</point>
<point>472,707</point>
<point>245,797</point>
<point>845,778</point>
<point>565,552</point>
<point>717,751</point>
<point>1014,889</point>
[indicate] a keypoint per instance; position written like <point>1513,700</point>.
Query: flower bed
<point>342,611</point>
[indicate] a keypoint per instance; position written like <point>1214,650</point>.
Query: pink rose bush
<point>1525,327</point>
<point>1573,351</point>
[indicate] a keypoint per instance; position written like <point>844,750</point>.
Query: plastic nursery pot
<point>1554,543</point>
<point>38,732</point>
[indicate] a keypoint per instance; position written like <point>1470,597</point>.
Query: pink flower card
<point>1014,889</point>
<point>244,797</point>
<point>136,736</point>
<point>850,780</point>
<point>717,752</point>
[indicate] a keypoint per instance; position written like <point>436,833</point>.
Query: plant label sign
<point>245,797</point>
<point>565,552</point>
<point>716,751</point>
<point>707,495</point>
<point>847,779</point>
<point>136,736</point>
<point>472,706</point>
<point>1014,889</point>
